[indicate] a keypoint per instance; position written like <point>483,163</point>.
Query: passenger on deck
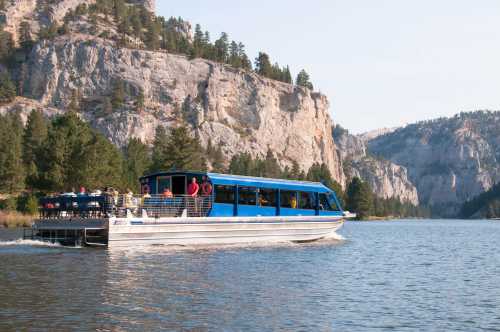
<point>167,193</point>
<point>193,188</point>
<point>206,187</point>
<point>82,192</point>
<point>146,194</point>
<point>128,199</point>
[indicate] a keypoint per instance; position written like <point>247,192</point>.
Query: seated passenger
<point>193,188</point>
<point>96,192</point>
<point>146,194</point>
<point>206,187</point>
<point>293,202</point>
<point>167,193</point>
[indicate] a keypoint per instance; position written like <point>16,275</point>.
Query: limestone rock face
<point>387,179</point>
<point>237,110</point>
<point>16,12</point>
<point>450,160</point>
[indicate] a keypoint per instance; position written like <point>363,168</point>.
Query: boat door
<point>179,185</point>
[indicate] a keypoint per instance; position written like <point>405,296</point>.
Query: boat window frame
<point>283,194</point>
<point>158,178</point>
<point>271,203</point>
<point>215,190</point>
<point>312,195</point>
<point>240,196</point>
<point>329,200</point>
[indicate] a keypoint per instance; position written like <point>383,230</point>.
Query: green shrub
<point>9,204</point>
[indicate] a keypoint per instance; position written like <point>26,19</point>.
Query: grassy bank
<point>15,219</point>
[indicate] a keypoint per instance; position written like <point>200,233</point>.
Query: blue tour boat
<point>238,209</point>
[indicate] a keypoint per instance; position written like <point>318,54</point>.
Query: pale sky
<point>382,63</point>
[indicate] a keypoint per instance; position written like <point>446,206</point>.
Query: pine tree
<point>304,80</point>
<point>359,198</point>
<point>7,89</point>
<point>64,153</point>
<point>295,171</point>
<point>25,39</point>
<point>222,47</point>
<point>218,160</point>
<point>184,152</point>
<point>118,94</point>
<point>34,138</point>
<point>152,35</point>
<point>139,102</point>
<point>160,150</point>
<point>11,166</point>
<point>198,42</point>
<point>137,161</point>
<point>271,168</point>
<point>101,164</point>
<point>287,76</point>
<point>215,156</point>
<point>263,65</point>
<point>6,45</point>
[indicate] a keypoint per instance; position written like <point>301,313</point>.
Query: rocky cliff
<point>387,179</point>
<point>450,160</point>
<point>238,110</point>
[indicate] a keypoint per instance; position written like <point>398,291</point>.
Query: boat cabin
<point>235,195</point>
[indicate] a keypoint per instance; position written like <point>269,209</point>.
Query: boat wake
<point>28,243</point>
<point>334,236</point>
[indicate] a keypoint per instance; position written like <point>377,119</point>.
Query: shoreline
<point>15,220</point>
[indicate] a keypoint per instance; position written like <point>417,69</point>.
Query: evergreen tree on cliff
<point>7,89</point>
<point>304,80</point>
<point>11,166</point>
<point>118,94</point>
<point>359,198</point>
<point>263,65</point>
<point>34,138</point>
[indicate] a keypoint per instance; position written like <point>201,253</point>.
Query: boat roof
<point>252,181</point>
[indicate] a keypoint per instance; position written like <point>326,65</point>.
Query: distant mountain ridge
<point>386,179</point>
<point>450,160</point>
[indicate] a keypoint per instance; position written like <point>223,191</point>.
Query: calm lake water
<point>397,276</point>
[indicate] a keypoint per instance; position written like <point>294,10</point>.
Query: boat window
<point>267,197</point>
<point>288,199</point>
<point>247,196</point>
<point>306,200</point>
<point>163,182</point>
<point>327,203</point>
<point>333,203</point>
<point>224,194</point>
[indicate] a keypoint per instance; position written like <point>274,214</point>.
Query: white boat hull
<point>213,231</point>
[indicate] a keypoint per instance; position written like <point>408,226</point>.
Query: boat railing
<point>153,206</point>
